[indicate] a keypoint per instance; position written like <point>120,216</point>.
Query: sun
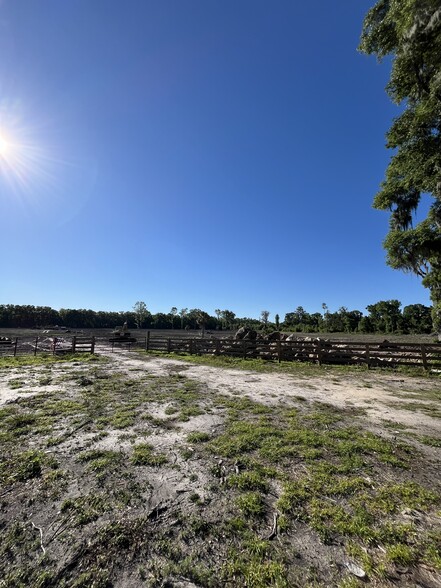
<point>5,147</point>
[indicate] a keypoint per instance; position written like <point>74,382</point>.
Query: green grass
<point>47,359</point>
<point>295,368</point>
<point>250,504</point>
<point>351,494</point>
<point>198,437</point>
<point>429,408</point>
<point>101,462</point>
<point>24,465</point>
<point>85,509</point>
<point>431,441</point>
<point>144,455</point>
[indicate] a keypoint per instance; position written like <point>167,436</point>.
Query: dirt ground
<point>381,393</point>
<point>119,470</point>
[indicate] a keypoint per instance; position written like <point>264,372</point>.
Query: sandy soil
<point>381,394</point>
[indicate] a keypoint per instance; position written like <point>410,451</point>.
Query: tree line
<point>385,316</point>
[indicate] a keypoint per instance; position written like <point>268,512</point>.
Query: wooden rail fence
<point>386,354</point>
<point>52,345</point>
<point>371,354</point>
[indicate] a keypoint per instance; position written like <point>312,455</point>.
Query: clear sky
<point>192,153</point>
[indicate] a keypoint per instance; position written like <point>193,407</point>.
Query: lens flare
<point>41,176</point>
<point>4,146</point>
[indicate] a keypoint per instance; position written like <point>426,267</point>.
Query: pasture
<point>131,470</point>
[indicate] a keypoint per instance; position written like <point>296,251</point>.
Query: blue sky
<point>192,153</point>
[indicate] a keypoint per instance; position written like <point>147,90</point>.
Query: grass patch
<point>144,455</point>
<point>24,465</point>
<point>198,437</point>
<point>250,504</point>
<point>350,494</point>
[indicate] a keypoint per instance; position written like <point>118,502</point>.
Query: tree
<point>228,318</point>
<point>141,313</point>
<point>416,318</point>
<point>385,315</point>
<point>183,313</point>
<point>199,318</point>
<point>264,317</point>
<point>410,32</point>
<point>277,321</point>
<point>173,312</point>
<point>218,314</point>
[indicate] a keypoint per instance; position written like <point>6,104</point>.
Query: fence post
<point>15,346</point>
<point>54,345</point>
<point>92,347</point>
<point>74,343</point>
<point>147,341</point>
<point>279,350</point>
<point>36,345</point>
<point>244,349</point>
<point>217,352</point>
<point>319,352</point>
<point>424,357</point>
<point>168,345</point>
<point>368,356</point>
<point>191,346</point>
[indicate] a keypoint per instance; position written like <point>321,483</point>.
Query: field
<point>131,470</point>
<point>105,334</point>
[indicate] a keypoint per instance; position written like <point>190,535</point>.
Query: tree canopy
<point>410,32</point>
<point>384,316</point>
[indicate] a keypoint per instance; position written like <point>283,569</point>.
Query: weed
<point>394,497</point>
<point>400,554</point>
<point>432,441</point>
<point>143,455</point>
<point>101,461</point>
<point>198,437</point>
<point>16,383</point>
<point>248,481</point>
<point>250,504</point>
<point>23,466</point>
<point>85,509</point>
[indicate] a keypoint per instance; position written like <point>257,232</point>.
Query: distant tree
<point>199,318</point>
<point>264,318</point>
<point>385,315</point>
<point>71,317</point>
<point>326,315</point>
<point>228,319</point>
<point>417,318</point>
<point>218,314</point>
<point>141,313</point>
<point>277,321</point>
<point>366,325</point>
<point>161,320</point>
<point>183,313</point>
<point>302,321</point>
<point>350,319</point>
<point>173,312</point>
<point>410,32</point>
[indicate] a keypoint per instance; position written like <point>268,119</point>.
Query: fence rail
<point>386,354</point>
<point>52,345</point>
<point>371,354</point>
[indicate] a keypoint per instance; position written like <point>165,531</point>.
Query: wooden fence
<point>52,345</point>
<point>384,353</point>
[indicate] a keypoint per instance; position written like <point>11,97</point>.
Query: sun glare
<point>21,163</point>
<point>35,177</point>
<point>5,146</point>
